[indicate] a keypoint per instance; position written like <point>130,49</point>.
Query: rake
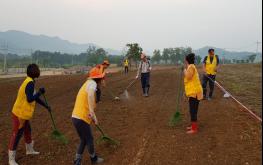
<point>176,118</point>
<point>126,93</point>
<point>112,95</point>
<point>106,138</point>
<point>56,134</point>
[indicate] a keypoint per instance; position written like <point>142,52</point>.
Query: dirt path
<point>227,135</point>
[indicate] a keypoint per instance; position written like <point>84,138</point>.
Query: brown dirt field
<point>227,134</point>
<point>245,82</point>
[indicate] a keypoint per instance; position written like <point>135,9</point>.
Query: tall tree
<point>134,51</point>
<point>157,57</point>
<point>96,56</point>
<point>198,59</point>
<point>166,55</point>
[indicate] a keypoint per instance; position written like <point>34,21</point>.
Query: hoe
<point>56,134</point>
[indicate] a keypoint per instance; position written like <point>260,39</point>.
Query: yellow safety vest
<point>210,67</point>
<point>193,86</point>
<point>22,108</point>
<point>126,63</point>
<point>81,108</point>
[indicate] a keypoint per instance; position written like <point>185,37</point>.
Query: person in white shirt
<point>144,71</point>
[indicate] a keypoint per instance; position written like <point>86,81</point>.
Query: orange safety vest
<point>22,108</point>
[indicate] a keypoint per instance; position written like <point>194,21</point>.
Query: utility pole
<point>31,56</point>
<point>258,43</point>
<point>5,50</point>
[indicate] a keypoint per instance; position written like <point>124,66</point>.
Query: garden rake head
<point>126,93</point>
<point>105,138</point>
<point>56,134</point>
<point>176,118</point>
<point>59,136</point>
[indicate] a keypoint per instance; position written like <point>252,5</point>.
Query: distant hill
<point>227,54</point>
<point>20,43</point>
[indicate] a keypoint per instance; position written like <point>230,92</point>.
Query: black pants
<point>86,138</point>
<point>145,80</point>
<point>193,105</point>
<point>98,95</point>
<point>208,78</point>
<point>126,69</point>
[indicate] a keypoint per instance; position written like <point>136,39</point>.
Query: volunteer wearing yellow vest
<point>210,67</point>
<point>126,66</point>
<point>83,115</point>
<point>102,68</point>
<point>22,112</point>
<point>193,90</point>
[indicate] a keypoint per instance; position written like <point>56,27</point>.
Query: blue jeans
<point>98,95</point>
<point>145,80</point>
<point>208,78</point>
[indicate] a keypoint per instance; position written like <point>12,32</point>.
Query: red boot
<point>193,130</point>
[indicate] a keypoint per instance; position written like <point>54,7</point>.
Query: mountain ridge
<point>21,43</point>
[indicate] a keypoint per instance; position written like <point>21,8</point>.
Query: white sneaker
<point>12,157</point>
<point>30,149</point>
<point>98,161</point>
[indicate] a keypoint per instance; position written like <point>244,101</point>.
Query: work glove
<point>42,91</point>
<point>93,117</point>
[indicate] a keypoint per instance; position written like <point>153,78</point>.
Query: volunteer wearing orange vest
<point>22,112</point>
<point>102,68</point>
<point>210,67</point>
<point>193,90</point>
<point>84,114</point>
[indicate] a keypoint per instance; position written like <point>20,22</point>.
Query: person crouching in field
<point>193,90</point>
<point>144,70</point>
<point>83,115</point>
<point>22,112</point>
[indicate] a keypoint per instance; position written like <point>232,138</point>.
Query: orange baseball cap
<point>96,73</point>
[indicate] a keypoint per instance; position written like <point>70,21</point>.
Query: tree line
<point>93,56</point>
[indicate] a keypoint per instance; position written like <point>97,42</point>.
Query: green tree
<point>96,56</point>
<point>166,55</point>
<point>198,59</point>
<point>157,57</point>
<point>134,51</point>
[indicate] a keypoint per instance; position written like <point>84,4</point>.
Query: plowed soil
<point>227,134</point>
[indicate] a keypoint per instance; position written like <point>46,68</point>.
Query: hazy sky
<point>152,23</point>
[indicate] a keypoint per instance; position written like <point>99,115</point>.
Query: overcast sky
<point>235,24</point>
